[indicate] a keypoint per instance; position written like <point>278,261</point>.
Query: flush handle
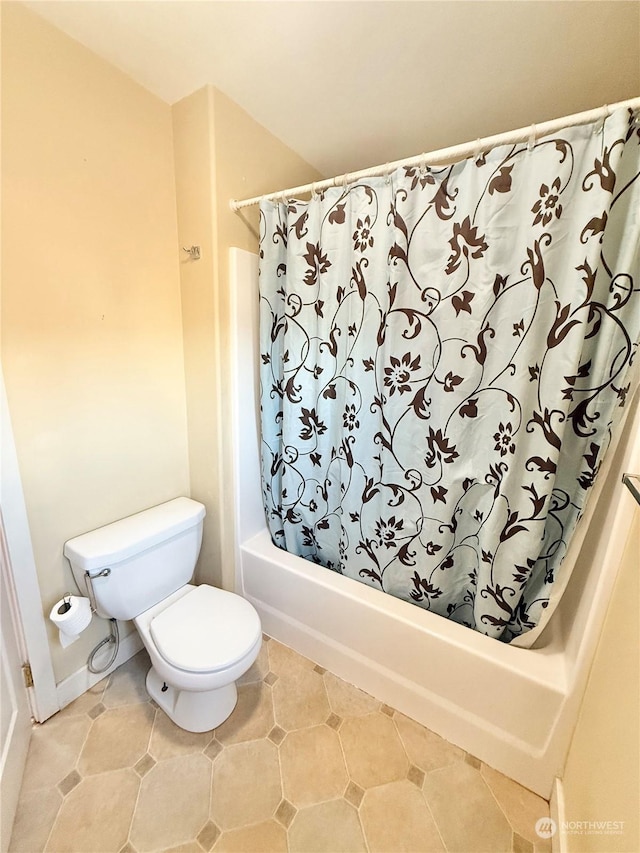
<point>103,573</point>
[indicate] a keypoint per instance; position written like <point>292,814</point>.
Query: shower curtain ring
<point>387,174</point>
<point>313,189</point>
<point>423,164</point>
<point>478,150</point>
<point>599,125</point>
<point>532,138</point>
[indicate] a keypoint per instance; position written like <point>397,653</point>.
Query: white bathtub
<point>513,708</point>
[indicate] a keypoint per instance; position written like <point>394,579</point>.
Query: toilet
<point>200,639</point>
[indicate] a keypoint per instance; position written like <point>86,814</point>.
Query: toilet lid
<point>206,629</point>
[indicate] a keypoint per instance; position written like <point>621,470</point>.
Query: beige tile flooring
<point>306,763</point>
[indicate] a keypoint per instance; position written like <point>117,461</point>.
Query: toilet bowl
<point>200,638</point>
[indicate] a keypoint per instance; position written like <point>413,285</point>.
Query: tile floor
<point>305,763</point>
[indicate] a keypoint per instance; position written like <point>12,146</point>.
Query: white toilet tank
<point>148,556</point>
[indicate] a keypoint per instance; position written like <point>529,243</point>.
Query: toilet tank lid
<point>129,536</point>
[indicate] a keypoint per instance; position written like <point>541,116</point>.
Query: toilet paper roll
<point>71,615</point>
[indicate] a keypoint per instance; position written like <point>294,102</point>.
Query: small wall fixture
<point>632,482</point>
<point>193,252</point>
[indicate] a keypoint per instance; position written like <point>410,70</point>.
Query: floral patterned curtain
<point>445,353</point>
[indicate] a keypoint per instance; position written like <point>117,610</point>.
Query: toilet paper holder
<point>65,605</point>
<point>71,615</point>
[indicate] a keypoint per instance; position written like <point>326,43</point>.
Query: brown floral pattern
<point>445,355</point>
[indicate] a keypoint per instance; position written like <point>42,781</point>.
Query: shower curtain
<point>444,356</point>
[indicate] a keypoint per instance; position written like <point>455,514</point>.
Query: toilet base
<point>192,711</point>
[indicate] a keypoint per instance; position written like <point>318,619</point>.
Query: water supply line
<point>114,637</point>
<point>114,633</point>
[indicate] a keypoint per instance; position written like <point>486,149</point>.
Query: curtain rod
<point>447,155</point>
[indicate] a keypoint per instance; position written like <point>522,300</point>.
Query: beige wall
<point>602,776</point>
<point>221,153</point>
<point>91,319</point>
<point>92,283</point>
<point>195,188</point>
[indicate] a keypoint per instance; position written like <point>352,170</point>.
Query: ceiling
<point>351,84</point>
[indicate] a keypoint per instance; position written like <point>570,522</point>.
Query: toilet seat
<point>207,629</point>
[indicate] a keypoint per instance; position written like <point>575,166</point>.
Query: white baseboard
<point>557,813</point>
<point>81,680</point>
